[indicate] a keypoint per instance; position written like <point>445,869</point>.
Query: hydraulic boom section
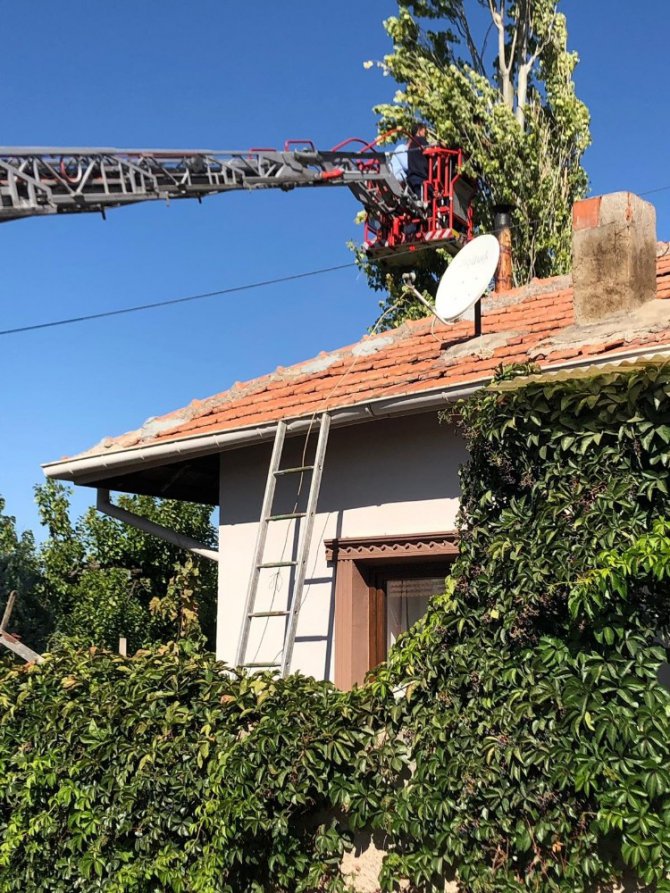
<point>52,181</point>
<point>45,181</point>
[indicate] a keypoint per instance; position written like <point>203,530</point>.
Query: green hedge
<point>163,772</point>
<point>517,738</point>
<point>533,715</point>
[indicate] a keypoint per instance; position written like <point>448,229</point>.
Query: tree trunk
<point>522,94</point>
<point>504,67</point>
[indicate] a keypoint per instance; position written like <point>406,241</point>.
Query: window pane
<point>407,602</point>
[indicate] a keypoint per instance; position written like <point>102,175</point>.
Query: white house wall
<point>388,477</point>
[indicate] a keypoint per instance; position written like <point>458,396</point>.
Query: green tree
<point>20,572</point>
<point>513,110</point>
<point>103,579</point>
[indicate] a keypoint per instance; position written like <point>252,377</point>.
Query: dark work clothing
<point>417,164</point>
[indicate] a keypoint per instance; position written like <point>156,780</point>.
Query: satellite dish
<point>466,277</point>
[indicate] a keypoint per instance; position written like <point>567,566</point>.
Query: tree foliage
<point>97,579</point>
<point>510,103</point>
<point>20,573</point>
<point>517,739</point>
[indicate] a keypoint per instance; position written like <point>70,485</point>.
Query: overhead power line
<point>653,191</point>
<point>239,288</point>
<point>199,297</point>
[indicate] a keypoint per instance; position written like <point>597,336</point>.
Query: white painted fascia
<point>91,468</point>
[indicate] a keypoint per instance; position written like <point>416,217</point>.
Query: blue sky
<point>228,76</point>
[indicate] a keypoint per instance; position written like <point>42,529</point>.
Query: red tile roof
<point>531,323</point>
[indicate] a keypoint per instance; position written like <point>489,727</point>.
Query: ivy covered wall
<point>517,739</point>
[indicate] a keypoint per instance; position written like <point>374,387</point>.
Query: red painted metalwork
<point>292,145</point>
<point>447,220</point>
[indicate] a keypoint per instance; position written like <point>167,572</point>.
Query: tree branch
<point>512,49</point>
<point>465,32</point>
<point>524,68</point>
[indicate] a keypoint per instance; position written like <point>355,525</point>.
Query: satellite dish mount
<point>463,283</point>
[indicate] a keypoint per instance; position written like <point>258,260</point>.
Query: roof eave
<point>86,469</point>
<point>100,466</point>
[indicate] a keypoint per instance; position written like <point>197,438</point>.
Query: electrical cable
<point>652,191</point>
<point>404,250</point>
<point>171,301</point>
<point>414,249</point>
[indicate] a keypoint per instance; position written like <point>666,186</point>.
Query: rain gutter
<point>89,469</point>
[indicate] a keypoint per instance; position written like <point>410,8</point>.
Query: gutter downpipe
<point>106,507</point>
<point>93,468</point>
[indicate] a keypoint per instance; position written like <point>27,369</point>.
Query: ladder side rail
<point>255,164</point>
<point>261,537</point>
<point>19,648</point>
<point>303,553</point>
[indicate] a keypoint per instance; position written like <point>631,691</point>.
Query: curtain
<point>406,602</point>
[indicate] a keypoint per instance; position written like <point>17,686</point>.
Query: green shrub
<point>537,730</point>
<point>164,771</point>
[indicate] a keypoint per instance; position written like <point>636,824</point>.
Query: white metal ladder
<point>294,599</point>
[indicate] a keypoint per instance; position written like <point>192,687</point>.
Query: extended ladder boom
<point>40,181</point>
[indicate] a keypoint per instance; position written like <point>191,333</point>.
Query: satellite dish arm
<point>408,280</point>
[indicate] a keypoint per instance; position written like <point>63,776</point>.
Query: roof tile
<point>535,322</point>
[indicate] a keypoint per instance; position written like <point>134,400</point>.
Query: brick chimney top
<point>614,255</point>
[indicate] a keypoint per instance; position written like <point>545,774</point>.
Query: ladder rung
<point>255,666</point>
<point>287,517</point>
<point>278,564</point>
<point>299,468</point>
<point>269,614</point>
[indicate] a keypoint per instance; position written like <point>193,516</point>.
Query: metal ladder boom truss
<point>295,597</point>
<point>42,181</point>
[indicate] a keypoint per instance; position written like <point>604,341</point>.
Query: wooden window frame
<point>378,578</point>
<point>361,564</point>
